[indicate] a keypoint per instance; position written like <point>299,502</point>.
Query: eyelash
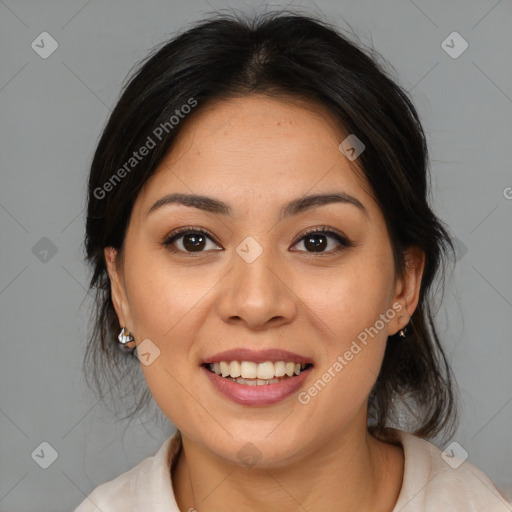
<point>324,230</point>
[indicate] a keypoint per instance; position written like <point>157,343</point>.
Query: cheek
<point>352,297</point>
<point>162,306</point>
<point>167,306</point>
<point>352,308</point>
<point>162,297</point>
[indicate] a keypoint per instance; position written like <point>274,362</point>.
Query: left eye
<point>318,241</point>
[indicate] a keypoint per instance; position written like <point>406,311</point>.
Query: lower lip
<point>265,394</point>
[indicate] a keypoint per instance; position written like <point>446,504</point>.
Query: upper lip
<point>257,356</point>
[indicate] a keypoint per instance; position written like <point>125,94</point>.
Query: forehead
<point>258,124</point>
<point>257,147</point>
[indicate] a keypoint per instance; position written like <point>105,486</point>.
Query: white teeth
<point>248,370</point>
<point>253,382</point>
<point>258,373</point>
<point>235,369</point>
<point>224,368</point>
<point>279,369</point>
<point>290,368</point>
<point>265,370</point>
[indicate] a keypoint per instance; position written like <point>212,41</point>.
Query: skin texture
<point>256,153</point>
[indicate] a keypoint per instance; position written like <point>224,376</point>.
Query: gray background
<point>51,114</point>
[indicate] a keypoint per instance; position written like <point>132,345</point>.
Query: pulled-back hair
<point>283,55</point>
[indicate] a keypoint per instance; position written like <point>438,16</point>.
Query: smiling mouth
<point>257,374</point>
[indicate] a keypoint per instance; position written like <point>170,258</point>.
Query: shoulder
<point>148,480</point>
<point>435,481</point>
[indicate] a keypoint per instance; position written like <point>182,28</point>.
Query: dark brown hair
<point>283,55</point>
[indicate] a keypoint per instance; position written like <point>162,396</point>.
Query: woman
<point>261,241</point>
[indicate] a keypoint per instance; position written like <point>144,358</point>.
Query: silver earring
<point>403,332</point>
<point>126,342</point>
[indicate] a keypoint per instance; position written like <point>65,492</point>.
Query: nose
<point>258,293</point>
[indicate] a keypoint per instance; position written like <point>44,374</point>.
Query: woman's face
<point>257,282</point>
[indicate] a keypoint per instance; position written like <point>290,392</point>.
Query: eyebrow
<point>294,207</point>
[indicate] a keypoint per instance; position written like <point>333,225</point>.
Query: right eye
<point>191,240</point>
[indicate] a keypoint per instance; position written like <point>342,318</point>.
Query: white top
<point>430,483</point>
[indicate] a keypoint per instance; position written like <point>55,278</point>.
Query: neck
<point>353,471</point>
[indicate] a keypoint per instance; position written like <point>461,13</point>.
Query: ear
<point>118,290</point>
<point>407,289</point>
